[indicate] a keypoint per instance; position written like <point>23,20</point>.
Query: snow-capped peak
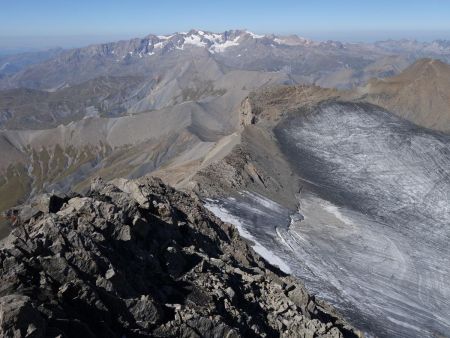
<point>255,36</point>
<point>212,42</point>
<point>195,40</point>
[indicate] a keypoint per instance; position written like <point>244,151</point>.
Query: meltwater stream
<point>375,239</point>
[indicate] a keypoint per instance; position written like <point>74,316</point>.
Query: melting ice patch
<point>227,216</point>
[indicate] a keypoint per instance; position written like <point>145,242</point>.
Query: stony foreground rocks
<point>139,259</point>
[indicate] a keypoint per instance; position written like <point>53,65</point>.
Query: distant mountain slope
<point>36,109</point>
<point>196,125</point>
<point>13,63</point>
<point>175,138</point>
<point>421,94</point>
<point>199,77</point>
<point>329,64</point>
<point>155,72</point>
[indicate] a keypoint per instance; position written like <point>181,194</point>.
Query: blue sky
<point>69,23</point>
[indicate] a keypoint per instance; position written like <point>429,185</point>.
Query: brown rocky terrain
<point>421,94</point>
<point>139,259</point>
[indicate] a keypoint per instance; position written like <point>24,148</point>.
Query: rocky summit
<point>136,258</point>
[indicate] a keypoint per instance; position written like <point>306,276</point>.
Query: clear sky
<point>67,23</point>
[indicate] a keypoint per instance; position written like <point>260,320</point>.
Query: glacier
<point>373,235</point>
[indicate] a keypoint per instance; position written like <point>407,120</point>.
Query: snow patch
<point>194,40</point>
<point>165,37</point>
<point>268,255</point>
<point>219,47</point>
<point>255,36</point>
<point>265,202</point>
<point>213,37</point>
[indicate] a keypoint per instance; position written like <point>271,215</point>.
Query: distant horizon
<point>13,44</point>
<point>62,23</point>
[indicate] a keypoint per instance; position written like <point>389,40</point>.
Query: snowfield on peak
<point>195,40</point>
<point>222,46</point>
<point>255,36</point>
<point>214,42</point>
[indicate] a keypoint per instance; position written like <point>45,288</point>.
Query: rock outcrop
<point>139,259</point>
<point>246,115</point>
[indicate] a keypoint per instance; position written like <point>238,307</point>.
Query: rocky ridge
<point>135,258</point>
<point>257,164</point>
<point>329,64</point>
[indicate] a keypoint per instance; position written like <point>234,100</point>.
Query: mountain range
<point>276,124</point>
<point>69,116</point>
<point>328,63</point>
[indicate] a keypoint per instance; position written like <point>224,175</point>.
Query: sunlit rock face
<point>375,238</point>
